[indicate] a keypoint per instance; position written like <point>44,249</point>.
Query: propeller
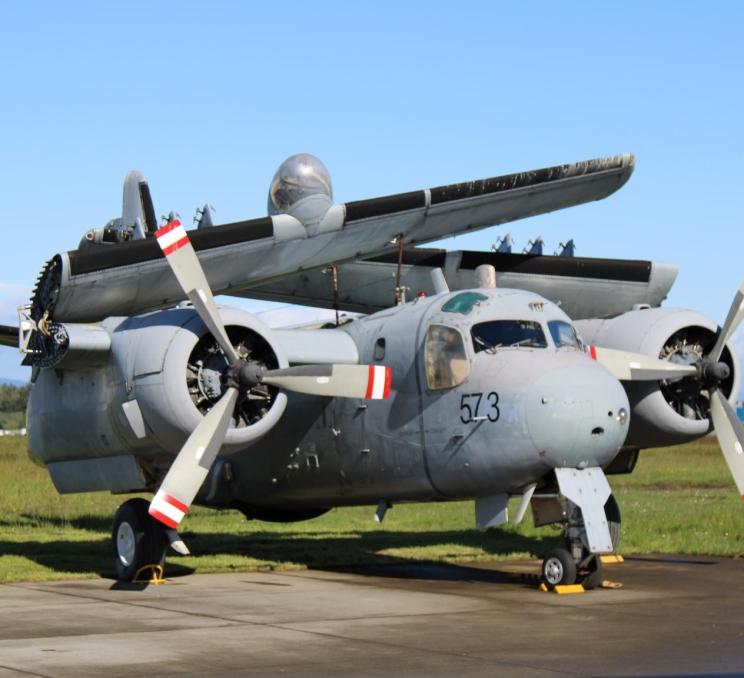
<point>191,466</point>
<point>733,319</point>
<point>709,372</point>
<point>728,427</point>
<point>730,434</point>
<point>627,366</point>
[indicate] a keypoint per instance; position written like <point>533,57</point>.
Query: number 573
<point>470,406</point>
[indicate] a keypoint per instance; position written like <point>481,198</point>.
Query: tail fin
<point>137,203</point>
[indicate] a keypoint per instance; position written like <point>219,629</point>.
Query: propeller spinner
<point>191,466</point>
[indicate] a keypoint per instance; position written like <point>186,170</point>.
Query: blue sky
<point>208,98</point>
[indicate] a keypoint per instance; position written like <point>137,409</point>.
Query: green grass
<point>12,420</point>
<point>679,500</point>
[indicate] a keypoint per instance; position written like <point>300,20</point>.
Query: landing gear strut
<point>576,564</point>
<point>138,539</point>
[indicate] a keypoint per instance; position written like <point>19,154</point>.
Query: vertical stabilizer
<point>137,204</point>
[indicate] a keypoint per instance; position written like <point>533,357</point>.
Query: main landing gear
<point>576,564</point>
<point>139,539</point>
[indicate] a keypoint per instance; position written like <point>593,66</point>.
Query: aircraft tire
<point>612,511</point>
<point>558,569</point>
<point>138,539</point>
<point>595,574</point>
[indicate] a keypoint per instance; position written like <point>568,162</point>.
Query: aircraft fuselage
<point>484,359</point>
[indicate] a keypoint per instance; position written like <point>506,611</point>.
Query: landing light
<point>622,415</point>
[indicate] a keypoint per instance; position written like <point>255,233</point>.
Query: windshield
<point>563,334</point>
<point>504,333</point>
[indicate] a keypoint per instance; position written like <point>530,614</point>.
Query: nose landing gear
<point>576,564</point>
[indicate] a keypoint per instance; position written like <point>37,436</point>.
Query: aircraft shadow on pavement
<point>362,552</point>
<point>367,552</point>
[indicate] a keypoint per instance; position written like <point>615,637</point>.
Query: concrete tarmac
<point>674,616</point>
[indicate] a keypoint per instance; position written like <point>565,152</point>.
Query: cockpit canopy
<point>446,351</point>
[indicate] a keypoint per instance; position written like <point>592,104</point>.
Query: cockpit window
<point>447,364</point>
<point>563,334</point>
<point>463,303</point>
<point>497,334</point>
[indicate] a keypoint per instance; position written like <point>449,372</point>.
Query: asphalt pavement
<point>673,616</point>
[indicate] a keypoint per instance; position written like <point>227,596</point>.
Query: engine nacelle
<point>665,412</point>
<point>176,373</point>
<point>162,375</point>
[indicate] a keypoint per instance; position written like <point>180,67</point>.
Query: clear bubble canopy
<point>298,176</point>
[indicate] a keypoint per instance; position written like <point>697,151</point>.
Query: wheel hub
<point>553,571</point>
<point>125,544</point>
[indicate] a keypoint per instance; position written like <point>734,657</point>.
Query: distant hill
<point>13,382</point>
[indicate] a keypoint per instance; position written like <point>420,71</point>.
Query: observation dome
<point>298,177</point>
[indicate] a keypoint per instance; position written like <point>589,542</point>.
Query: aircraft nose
<point>577,416</point>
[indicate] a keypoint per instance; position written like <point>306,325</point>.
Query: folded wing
<point>131,277</point>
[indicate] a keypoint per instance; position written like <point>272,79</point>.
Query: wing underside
<point>584,287</point>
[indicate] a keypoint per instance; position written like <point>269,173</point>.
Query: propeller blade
<point>730,434</point>
<point>190,468</point>
<point>341,381</point>
<point>177,248</point>
<point>628,366</point>
<point>733,319</point>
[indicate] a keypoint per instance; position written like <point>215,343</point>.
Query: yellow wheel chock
<point>562,589</point>
<point>156,575</point>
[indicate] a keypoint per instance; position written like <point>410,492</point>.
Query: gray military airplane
<point>142,383</point>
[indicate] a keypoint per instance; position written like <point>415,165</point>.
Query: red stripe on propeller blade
<point>168,522</point>
<point>370,381</point>
<point>167,228</point>
<point>175,502</point>
<point>388,382</point>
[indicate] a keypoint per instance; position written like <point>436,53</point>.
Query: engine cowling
<point>674,411</point>
<point>177,373</point>
<point>161,375</point>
